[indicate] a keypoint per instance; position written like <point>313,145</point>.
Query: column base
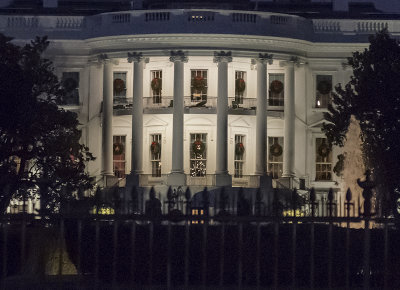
<point>132,179</point>
<point>223,179</point>
<point>110,180</point>
<point>176,179</point>
<point>287,181</point>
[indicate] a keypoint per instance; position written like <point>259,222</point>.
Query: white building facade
<point>202,97</point>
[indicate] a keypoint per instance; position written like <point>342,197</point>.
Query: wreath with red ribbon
<point>239,148</point>
<point>118,148</point>
<point>156,84</point>
<point>276,150</point>
<point>119,86</point>
<point>155,147</point>
<point>276,87</point>
<point>324,87</point>
<point>198,147</point>
<point>240,85</point>
<point>198,83</point>
<point>324,150</point>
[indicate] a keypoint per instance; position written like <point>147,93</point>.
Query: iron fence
<point>256,245</point>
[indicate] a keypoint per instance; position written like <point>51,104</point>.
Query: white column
<point>261,113</point>
<point>177,176</point>
<point>289,122</point>
<point>221,173</point>
<point>107,137</point>
<point>137,113</point>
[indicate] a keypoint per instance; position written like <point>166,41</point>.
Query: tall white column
<point>221,173</point>
<point>137,115</point>
<point>177,175</point>
<point>261,113</point>
<point>289,122</point>
<point>107,137</point>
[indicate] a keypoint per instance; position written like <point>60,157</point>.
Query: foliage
<point>373,97</point>
<point>39,141</point>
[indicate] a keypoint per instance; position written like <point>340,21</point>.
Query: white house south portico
<point>168,94</point>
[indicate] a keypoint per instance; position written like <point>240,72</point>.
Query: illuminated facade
<point>202,97</point>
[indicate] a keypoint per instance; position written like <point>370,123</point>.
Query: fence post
<point>348,205</point>
<point>367,187</point>
<point>313,205</point>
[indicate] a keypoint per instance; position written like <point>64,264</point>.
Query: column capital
<point>178,55</point>
<point>293,61</point>
<point>263,58</point>
<point>222,56</point>
<point>137,57</point>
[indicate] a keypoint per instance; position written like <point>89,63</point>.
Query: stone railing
<point>22,22</point>
<point>348,26</point>
<point>70,22</point>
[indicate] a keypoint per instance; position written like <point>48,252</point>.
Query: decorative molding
<point>178,55</point>
<point>137,57</point>
<point>222,56</point>
<point>263,58</point>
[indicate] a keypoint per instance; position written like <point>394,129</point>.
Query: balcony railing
<point>158,102</point>
<point>200,101</point>
<point>242,103</point>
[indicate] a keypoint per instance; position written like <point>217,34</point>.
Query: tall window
<point>239,155</point>
<point>119,86</point>
<point>155,151</point>
<point>199,86</point>
<point>198,155</point>
<point>275,156</point>
<point>323,91</point>
<point>276,89</point>
<point>323,159</point>
<point>156,86</point>
<point>70,82</point>
<point>119,156</point>
<point>240,86</point>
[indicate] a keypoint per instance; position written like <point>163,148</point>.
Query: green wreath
<point>199,83</point>
<point>198,147</point>
<point>276,150</point>
<point>276,87</point>
<point>118,148</point>
<point>240,85</point>
<point>324,87</point>
<point>323,150</point>
<point>119,86</point>
<point>70,84</point>
<point>239,148</point>
<point>156,84</point>
<point>155,147</point>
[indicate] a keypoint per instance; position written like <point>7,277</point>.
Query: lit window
<point>240,86</point>
<point>198,155</point>
<point>275,156</point>
<point>198,86</point>
<point>195,212</point>
<point>119,86</point>
<point>323,159</point>
<point>70,82</point>
<point>155,151</point>
<point>239,156</point>
<point>156,86</point>
<point>323,91</point>
<point>119,156</point>
<point>276,90</point>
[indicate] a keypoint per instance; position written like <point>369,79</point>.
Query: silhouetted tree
<point>373,97</point>
<point>40,151</point>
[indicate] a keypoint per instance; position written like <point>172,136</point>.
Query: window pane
<point>119,156</point>
<point>276,89</point>
<point>156,86</point>
<point>323,159</point>
<point>155,151</point>
<point>198,154</point>
<point>199,86</point>
<point>275,156</point>
<point>70,82</point>
<point>323,91</point>
<point>119,85</point>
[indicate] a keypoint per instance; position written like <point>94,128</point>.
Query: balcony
<point>248,181</point>
<point>242,106</point>
<point>122,106</point>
